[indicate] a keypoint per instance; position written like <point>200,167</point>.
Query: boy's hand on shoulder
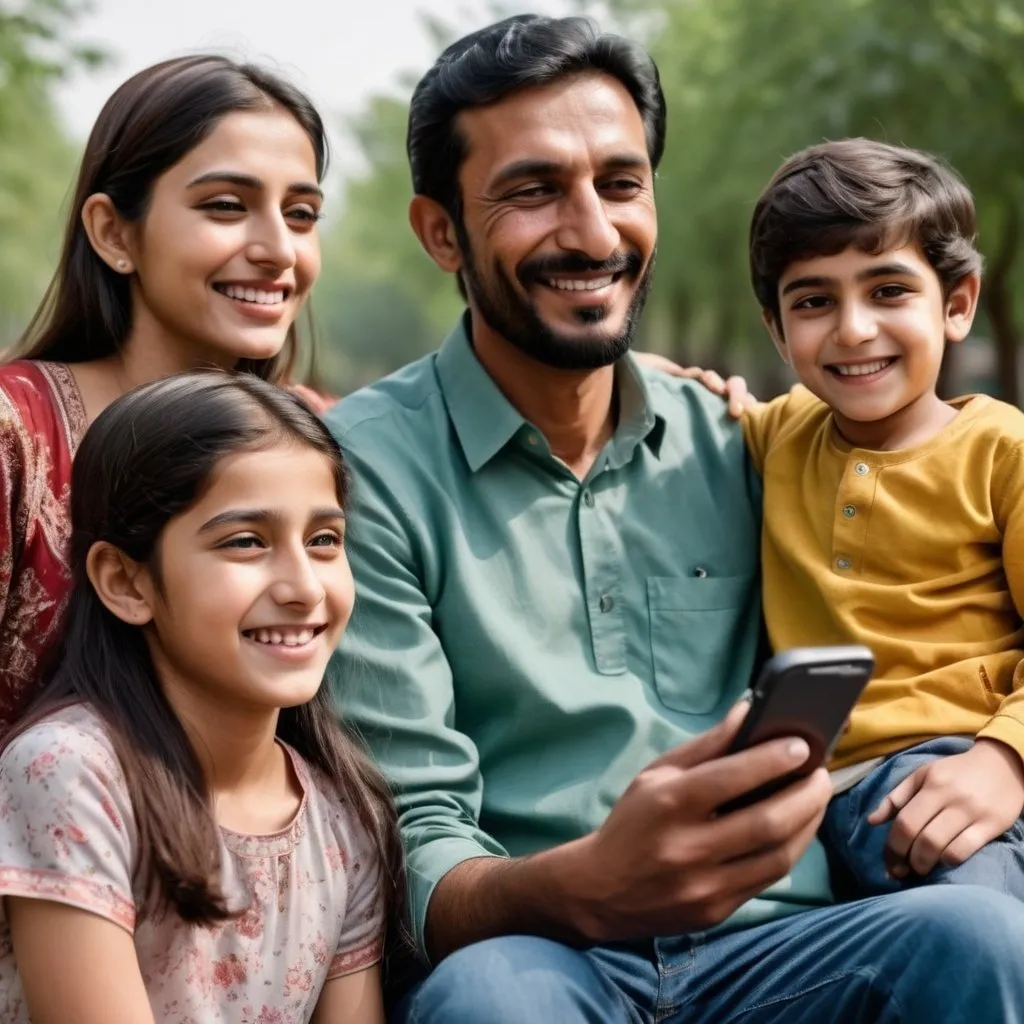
<point>949,809</point>
<point>733,390</point>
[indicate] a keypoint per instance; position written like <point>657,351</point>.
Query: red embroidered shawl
<point>42,420</point>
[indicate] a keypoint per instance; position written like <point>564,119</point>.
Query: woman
<point>191,241</point>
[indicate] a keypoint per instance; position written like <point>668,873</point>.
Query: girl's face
<point>255,587</point>
<point>228,249</point>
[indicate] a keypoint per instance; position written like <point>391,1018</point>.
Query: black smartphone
<point>807,692</point>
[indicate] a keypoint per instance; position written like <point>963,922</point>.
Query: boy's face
<point>866,333</point>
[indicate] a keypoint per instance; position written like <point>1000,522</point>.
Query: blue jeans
<point>856,849</point>
<point>950,954</point>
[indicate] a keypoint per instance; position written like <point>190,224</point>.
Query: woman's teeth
<point>258,295</point>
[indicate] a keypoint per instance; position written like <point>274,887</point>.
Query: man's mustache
<point>629,263</point>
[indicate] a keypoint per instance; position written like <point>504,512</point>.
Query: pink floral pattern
<point>67,834</point>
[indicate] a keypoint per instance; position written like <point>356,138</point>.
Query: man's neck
<point>575,410</point>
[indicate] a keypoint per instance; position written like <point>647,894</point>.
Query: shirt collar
<point>485,421</point>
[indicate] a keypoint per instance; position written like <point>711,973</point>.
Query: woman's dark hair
<point>864,193</point>
<point>512,54</point>
<point>150,123</point>
<point>134,473</point>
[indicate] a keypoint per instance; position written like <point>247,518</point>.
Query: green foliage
<point>38,161</point>
<point>747,84</point>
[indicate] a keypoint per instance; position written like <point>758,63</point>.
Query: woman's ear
<point>109,233</point>
<point>122,584</point>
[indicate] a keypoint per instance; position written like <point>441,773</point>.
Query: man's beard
<point>515,318</point>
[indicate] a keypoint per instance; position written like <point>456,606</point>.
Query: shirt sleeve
<point>1007,724</point>
<point>394,686</point>
<point>763,422</point>
<point>362,939</point>
<point>66,822</point>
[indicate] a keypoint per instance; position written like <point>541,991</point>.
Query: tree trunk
<point>998,300</point>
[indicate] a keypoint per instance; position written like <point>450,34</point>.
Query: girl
<point>191,241</point>
<point>185,834</point>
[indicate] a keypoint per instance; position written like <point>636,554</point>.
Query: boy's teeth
<point>581,286</point>
<point>861,369</point>
<point>258,295</point>
<point>285,638</point>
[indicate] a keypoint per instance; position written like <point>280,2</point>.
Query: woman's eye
<point>223,206</point>
<point>304,213</point>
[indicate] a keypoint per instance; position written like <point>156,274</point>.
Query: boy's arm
<point>949,809</point>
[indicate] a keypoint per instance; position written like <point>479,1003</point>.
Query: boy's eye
<point>891,291</point>
<point>812,302</point>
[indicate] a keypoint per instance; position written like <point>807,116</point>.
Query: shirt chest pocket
<point>703,638</point>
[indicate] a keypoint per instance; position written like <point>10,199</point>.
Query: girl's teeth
<point>273,636</point>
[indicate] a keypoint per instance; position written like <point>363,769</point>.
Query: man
<point>557,606</point>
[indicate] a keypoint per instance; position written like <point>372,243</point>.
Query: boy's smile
<point>866,333</point>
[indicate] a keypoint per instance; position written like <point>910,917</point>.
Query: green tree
<point>747,84</point>
<point>38,160</point>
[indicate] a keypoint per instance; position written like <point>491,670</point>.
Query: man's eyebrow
<point>869,274</point>
<point>251,182</point>
<point>243,516</point>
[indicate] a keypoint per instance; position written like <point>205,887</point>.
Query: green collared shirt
<point>523,644</point>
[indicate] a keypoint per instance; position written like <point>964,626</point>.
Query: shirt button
<point>532,438</point>
<point>607,603</point>
<point>862,469</point>
<point>588,499</point>
<point>849,511</point>
<point>700,572</point>
<point>842,563</point>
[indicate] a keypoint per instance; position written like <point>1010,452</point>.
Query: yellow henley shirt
<point>917,553</point>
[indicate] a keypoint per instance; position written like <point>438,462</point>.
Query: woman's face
<point>228,249</point>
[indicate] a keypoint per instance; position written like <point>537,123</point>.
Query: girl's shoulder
<point>59,748</point>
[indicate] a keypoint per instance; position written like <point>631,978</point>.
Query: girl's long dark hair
<point>146,459</point>
<point>150,123</point>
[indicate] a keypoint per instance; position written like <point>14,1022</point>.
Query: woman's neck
<point>148,354</point>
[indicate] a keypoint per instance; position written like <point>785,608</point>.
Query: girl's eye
<point>244,541</point>
<point>326,539</point>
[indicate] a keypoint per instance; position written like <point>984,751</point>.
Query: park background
<point>747,83</point>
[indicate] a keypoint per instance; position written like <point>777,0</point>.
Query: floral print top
<point>312,890</point>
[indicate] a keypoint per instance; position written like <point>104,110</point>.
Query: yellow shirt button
<point>842,563</point>
<point>849,511</point>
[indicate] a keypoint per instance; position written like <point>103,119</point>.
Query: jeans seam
<point>867,972</point>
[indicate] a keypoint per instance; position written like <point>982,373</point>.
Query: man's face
<point>559,227</point>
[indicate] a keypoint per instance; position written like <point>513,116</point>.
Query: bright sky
<point>338,51</point>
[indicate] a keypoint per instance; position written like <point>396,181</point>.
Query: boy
<point>892,518</point>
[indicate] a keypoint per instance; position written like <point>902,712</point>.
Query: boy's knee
<point>506,981</point>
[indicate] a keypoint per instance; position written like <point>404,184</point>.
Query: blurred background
<point>748,82</point>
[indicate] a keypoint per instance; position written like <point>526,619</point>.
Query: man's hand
<point>734,390</point>
<point>949,809</point>
<point>663,863</point>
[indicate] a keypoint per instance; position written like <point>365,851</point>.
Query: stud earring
<point>121,265</point>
